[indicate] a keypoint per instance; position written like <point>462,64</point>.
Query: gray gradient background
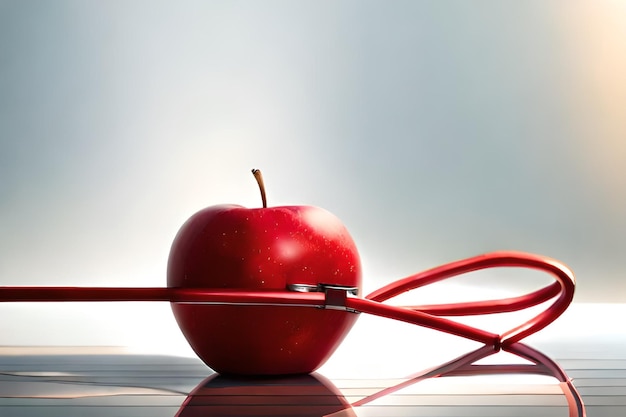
<point>435,130</point>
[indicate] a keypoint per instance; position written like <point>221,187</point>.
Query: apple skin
<point>233,247</point>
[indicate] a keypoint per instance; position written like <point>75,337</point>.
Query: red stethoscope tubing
<point>427,316</point>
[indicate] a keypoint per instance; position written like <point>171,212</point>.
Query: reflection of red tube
<point>298,396</point>
<point>575,402</point>
<point>465,366</point>
<point>335,299</point>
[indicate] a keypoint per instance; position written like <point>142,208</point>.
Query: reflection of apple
<point>298,396</point>
<point>232,247</point>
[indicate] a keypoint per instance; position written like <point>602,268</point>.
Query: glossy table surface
<point>381,374</point>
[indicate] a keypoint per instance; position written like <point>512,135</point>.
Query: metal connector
<point>336,295</point>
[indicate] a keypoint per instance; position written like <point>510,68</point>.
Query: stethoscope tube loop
<point>563,287</point>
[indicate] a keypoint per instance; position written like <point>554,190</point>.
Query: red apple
<point>259,249</point>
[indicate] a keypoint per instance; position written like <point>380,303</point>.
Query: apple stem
<point>259,179</point>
